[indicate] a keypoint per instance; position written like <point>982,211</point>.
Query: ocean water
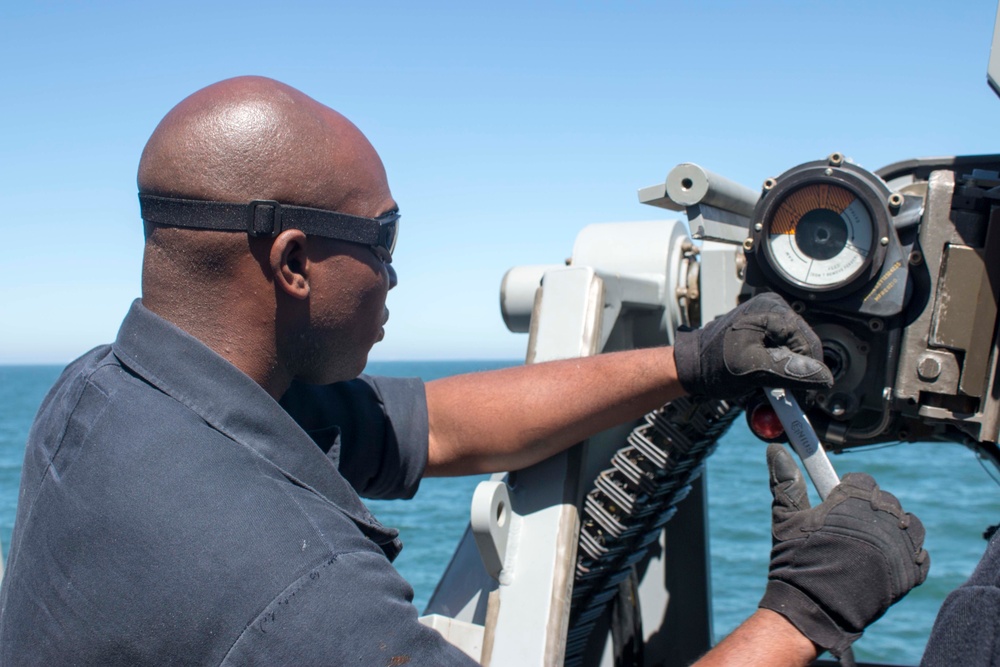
<point>943,484</point>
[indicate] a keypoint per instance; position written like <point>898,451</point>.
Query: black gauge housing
<point>873,278</point>
<point>865,187</point>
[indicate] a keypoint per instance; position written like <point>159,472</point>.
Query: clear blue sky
<point>504,127</point>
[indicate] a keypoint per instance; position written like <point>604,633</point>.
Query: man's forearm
<point>766,639</point>
<point>511,418</point>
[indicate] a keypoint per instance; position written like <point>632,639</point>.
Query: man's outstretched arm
<point>512,418</point>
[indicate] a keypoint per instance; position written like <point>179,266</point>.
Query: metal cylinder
<point>517,294</point>
<point>688,184</point>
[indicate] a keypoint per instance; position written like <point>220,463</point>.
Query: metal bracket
<point>490,520</point>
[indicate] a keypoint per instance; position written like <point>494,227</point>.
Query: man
<point>171,511</point>
<point>967,628</point>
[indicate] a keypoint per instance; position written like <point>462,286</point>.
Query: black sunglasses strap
<point>258,218</point>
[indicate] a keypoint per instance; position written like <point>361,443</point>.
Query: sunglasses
<point>265,217</point>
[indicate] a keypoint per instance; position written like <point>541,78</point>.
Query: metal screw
<point>747,244</point>
<point>895,201</point>
<point>929,369</point>
<point>757,227</point>
<point>770,183</point>
<point>884,240</point>
<point>916,258</point>
<point>828,171</point>
<point>837,409</point>
<point>836,159</point>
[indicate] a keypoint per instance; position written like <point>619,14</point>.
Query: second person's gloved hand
<point>760,343</point>
<point>837,567</point>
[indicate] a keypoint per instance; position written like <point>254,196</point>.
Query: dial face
<point>820,236</point>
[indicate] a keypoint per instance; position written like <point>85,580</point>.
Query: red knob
<point>765,424</point>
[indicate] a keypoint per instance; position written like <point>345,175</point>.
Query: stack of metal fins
<point>633,500</point>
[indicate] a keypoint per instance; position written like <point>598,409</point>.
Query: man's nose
<point>393,280</point>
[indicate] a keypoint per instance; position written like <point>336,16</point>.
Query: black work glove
<point>838,567</point>
<point>761,343</point>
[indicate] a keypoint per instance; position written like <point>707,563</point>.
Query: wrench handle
<point>804,440</point>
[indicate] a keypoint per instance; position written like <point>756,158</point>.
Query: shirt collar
<point>184,368</point>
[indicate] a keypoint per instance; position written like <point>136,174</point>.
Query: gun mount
<point>897,272</point>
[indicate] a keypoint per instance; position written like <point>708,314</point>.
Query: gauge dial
<point>821,236</point>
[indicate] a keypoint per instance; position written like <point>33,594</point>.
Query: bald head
<point>277,307</point>
<point>255,138</point>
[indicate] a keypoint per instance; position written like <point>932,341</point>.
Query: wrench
<point>804,440</point>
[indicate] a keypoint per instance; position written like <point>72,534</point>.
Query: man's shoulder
<point>97,387</point>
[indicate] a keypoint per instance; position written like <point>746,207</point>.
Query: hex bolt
<point>895,201</point>
<point>929,369</point>
<point>770,183</point>
<point>836,159</point>
<point>748,244</point>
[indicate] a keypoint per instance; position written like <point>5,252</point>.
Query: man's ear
<point>290,264</point>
